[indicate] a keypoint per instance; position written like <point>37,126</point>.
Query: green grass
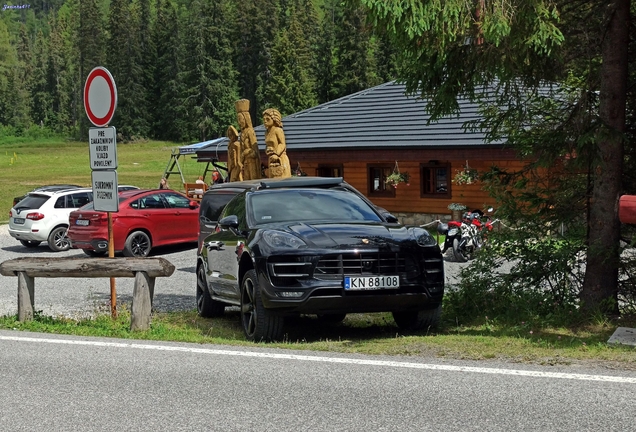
<point>26,164</point>
<point>374,334</point>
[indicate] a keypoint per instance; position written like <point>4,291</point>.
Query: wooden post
<point>111,254</point>
<point>142,301</point>
<point>26,292</point>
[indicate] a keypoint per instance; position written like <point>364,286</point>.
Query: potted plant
<point>395,178</point>
<point>457,210</point>
<point>466,175</point>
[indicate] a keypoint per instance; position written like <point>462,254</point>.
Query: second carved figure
<point>276,148</point>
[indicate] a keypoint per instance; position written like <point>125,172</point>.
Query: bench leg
<point>143,293</point>
<point>26,293</point>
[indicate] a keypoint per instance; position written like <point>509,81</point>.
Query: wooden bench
<point>144,270</point>
<point>195,191</point>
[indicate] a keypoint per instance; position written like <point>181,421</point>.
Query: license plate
<point>355,283</point>
<point>19,221</point>
<point>82,222</point>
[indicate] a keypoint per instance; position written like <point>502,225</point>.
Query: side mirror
<point>193,204</point>
<point>229,222</point>
<point>390,218</point>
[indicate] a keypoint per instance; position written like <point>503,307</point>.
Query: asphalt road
<point>84,297</point>
<point>65,383</point>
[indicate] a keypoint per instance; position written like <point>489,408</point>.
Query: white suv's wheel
<point>58,242</point>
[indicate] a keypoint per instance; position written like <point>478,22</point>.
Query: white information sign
<point>105,196</point>
<point>103,148</point>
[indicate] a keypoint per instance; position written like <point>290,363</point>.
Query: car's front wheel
<point>137,245</point>
<point>30,243</point>
<point>58,242</point>
<point>206,306</point>
<point>259,324</point>
<point>418,320</point>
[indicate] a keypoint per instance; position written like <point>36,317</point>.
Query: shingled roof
<point>382,116</point>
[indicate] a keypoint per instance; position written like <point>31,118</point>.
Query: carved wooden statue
<point>234,155</point>
<point>249,145</point>
<point>278,162</point>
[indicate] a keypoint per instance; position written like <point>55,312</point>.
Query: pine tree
<point>91,47</point>
<point>258,24</point>
<point>123,61</point>
<point>166,99</point>
<point>209,74</point>
<point>291,87</point>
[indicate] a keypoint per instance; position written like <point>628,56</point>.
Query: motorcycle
<point>466,237</point>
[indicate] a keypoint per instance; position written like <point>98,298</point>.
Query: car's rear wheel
<point>206,306</point>
<point>137,245</point>
<point>418,320</point>
<point>332,318</point>
<point>94,253</point>
<point>259,324</point>
<point>58,242</point>
<point>30,243</point>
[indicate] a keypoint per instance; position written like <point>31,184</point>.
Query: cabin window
<point>435,180</point>
<point>329,171</point>
<point>377,180</point>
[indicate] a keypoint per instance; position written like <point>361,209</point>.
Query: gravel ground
<point>85,297</point>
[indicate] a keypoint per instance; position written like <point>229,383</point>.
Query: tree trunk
<point>600,287</point>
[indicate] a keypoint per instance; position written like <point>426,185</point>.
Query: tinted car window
<point>60,202</point>
<point>79,199</point>
<point>212,205</point>
<point>309,205</point>
<point>151,202</point>
<point>176,201</point>
<point>32,201</point>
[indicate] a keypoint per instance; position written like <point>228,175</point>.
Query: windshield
<point>304,205</point>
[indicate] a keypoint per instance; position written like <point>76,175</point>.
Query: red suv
<point>146,219</point>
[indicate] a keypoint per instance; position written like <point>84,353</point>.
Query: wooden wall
<point>408,198</point>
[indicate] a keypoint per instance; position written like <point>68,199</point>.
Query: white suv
<point>43,216</point>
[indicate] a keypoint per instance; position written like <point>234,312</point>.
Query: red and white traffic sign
<point>100,96</point>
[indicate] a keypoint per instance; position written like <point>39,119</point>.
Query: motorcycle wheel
<point>460,254</point>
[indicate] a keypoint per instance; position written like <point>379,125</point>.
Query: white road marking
<point>448,368</point>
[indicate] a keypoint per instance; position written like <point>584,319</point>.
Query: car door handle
<point>214,245</point>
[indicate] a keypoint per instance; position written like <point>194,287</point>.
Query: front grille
<point>332,267</point>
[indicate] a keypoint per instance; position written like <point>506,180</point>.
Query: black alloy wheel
<point>206,306</point>
<point>137,245</point>
<point>259,324</point>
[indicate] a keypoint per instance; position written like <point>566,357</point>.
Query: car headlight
<point>277,239</point>
<point>423,237</point>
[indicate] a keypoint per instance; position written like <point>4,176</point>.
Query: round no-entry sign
<point>100,96</point>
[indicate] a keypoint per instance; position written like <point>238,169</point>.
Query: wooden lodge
<point>367,136</point>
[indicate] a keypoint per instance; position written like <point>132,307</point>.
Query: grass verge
<point>374,334</point>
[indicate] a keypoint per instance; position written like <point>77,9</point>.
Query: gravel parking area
<point>78,298</point>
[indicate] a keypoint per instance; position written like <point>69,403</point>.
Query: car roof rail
<point>299,182</point>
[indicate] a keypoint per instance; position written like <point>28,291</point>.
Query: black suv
<point>311,245</point>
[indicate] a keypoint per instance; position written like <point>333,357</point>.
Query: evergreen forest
<point>179,65</point>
